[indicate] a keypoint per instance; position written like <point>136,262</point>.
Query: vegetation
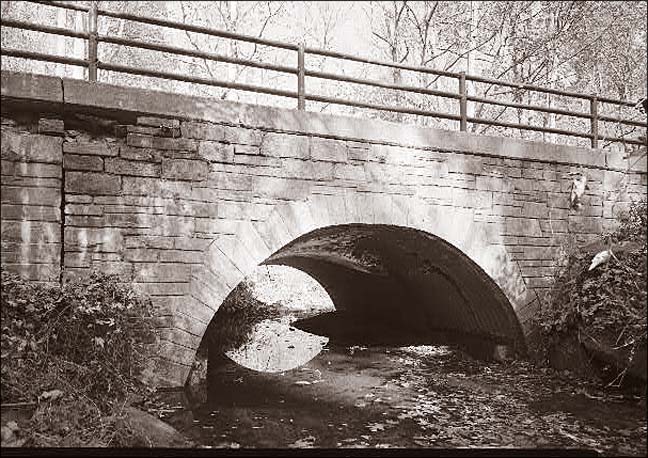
<point>605,305</point>
<point>78,351</point>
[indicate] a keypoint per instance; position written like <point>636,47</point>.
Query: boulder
<point>150,431</point>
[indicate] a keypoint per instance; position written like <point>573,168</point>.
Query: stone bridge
<point>442,231</point>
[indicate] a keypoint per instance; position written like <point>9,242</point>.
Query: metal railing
<point>93,64</point>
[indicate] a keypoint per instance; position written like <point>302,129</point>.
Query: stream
<point>424,396</point>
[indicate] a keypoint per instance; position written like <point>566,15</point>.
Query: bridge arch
<point>229,259</point>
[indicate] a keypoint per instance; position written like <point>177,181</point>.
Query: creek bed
<point>412,397</point>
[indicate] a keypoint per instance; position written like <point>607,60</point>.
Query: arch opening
<point>398,286</point>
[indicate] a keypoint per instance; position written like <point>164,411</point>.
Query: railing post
<point>301,76</point>
<point>92,41</point>
<point>594,121</point>
<point>463,103</point>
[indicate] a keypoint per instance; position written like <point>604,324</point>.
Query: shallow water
<point>411,397</point>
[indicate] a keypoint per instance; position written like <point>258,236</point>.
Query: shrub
<point>89,337</point>
<point>608,303</point>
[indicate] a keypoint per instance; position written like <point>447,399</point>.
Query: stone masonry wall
<point>31,182</point>
<point>147,187</point>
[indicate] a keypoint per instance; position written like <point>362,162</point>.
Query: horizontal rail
<point>192,53</point>
<point>42,28</point>
<point>622,140</point>
<point>66,5</point>
<point>195,28</point>
<point>400,87</point>
<point>546,90</point>
<point>352,103</point>
<point>383,63</point>
<point>527,107</point>
<point>11,52</point>
<point>549,130</point>
<point>629,122</point>
<point>194,79</point>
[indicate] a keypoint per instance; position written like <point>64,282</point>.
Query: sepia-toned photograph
<point>324,228</point>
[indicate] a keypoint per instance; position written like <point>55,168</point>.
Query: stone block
<point>522,226</point>
<point>98,148</point>
<point>30,213</point>
<point>31,231</point>
<point>20,146</point>
<point>79,162</point>
<point>51,126</point>
<point>259,163</point>
<point>92,183</point>
<point>307,170</point>
<point>216,152</point>
<point>30,196</point>
<point>140,154</point>
<point>322,149</point>
<point>185,169</point>
<point>248,150</point>
<point>31,182</point>
<point>535,210</point>
<point>349,172</point>
<point>156,272</point>
<point>145,141</point>
<point>202,131</point>
<point>282,188</point>
<point>154,242</point>
<point>358,154</point>
<point>141,255</point>
<point>466,164</point>
<point>31,86</point>
<point>30,253</point>
<point>285,145</point>
<point>243,136</point>
<point>489,183</point>
<point>120,166</point>
<point>182,257</point>
<point>233,181</point>
<point>213,226</point>
<point>30,169</point>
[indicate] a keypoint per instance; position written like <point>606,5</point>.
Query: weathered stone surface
<point>216,152</point>
<point>92,183</point>
<point>202,131</point>
<point>79,162</point>
<point>95,148</point>
<point>30,169</point>
<point>51,126</point>
<point>328,150</point>
<point>19,146</point>
<point>31,86</point>
<point>30,196</point>
<point>145,141</point>
<point>30,213</point>
<point>120,166</point>
<point>184,169</point>
<point>140,154</point>
<point>284,145</point>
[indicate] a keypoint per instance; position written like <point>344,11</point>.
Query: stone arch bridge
<point>184,196</point>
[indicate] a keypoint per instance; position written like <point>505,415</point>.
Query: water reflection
<point>276,346</point>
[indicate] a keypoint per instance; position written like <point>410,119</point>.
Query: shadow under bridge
<point>399,286</point>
